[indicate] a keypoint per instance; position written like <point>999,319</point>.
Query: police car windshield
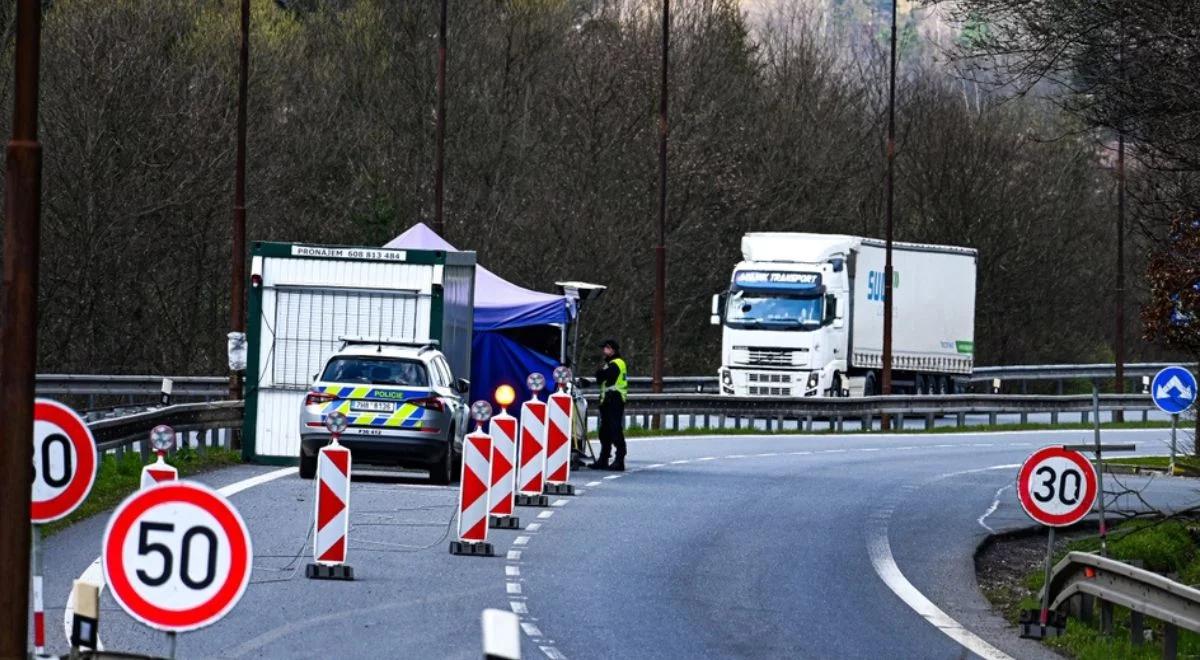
<point>376,371</point>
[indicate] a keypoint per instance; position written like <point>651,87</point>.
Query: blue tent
<point>506,318</point>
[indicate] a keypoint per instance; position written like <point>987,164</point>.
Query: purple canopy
<point>499,303</point>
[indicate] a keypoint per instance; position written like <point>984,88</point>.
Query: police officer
<point>613,378</point>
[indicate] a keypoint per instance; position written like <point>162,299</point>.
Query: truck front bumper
<point>766,382</point>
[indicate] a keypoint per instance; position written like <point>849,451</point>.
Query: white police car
<point>403,406</point>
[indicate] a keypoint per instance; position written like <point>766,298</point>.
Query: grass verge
<point>117,478</point>
<point>1187,466</point>
<point>635,431</point>
<point>1168,547</point>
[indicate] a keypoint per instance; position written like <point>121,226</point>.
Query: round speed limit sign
<point>177,556</point>
<point>64,461</point>
<point>1057,486</point>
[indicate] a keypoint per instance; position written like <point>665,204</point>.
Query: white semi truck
<point>803,317</point>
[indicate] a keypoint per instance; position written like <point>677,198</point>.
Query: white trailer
<point>304,299</point>
<point>803,316</point>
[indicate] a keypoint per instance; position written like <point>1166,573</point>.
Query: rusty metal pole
<point>18,336</point>
<point>660,250</point>
<point>237,309</point>
<point>1119,335</point>
<point>439,165</point>
<point>888,277</point>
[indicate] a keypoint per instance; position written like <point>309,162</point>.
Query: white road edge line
<point>95,574</point>
<point>885,567</point>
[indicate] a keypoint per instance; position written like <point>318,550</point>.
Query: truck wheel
<point>835,388</point>
<point>308,466</point>
<point>942,387</point>
<point>869,388</point>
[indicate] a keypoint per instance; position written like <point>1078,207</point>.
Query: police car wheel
<point>308,466</point>
<point>443,472</point>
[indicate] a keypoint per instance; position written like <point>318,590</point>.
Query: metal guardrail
<point>209,419</point>
<point>1066,371</point>
<point>714,410</point>
<point>1020,373</point>
<point>109,385</point>
<point>1141,591</point>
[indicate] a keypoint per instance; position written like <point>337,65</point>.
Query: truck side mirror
<point>717,302</point>
<point>462,385</point>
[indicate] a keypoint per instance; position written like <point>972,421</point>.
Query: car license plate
<point>372,406</point>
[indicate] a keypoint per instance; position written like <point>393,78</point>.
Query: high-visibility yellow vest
<point>622,384</point>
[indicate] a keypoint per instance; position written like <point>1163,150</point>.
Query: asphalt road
<point>747,546</point>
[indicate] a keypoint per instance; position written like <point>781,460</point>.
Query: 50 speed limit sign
<point>1057,486</point>
<point>177,556</point>
<point>64,461</point>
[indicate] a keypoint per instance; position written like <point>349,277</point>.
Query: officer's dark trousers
<point>612,427</point>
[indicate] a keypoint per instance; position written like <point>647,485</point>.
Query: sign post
<point>1173,391</point>
<point>473,493</point>
<point>558,436</point>
<point>64,469</point>
<point>176,556</point>
<point>531,466</point>
<point>331,507</point>
<point>1057,487</point>
<point>503,463</point>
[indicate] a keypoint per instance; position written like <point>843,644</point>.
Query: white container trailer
<point>803,316</point>
<point>305,298</point>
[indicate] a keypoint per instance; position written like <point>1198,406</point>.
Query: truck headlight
<point>726,378</point>
<point>813,379</point>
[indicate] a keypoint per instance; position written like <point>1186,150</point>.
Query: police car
<point>403,406</point>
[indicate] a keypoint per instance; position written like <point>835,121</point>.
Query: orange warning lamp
<point>505,395</point>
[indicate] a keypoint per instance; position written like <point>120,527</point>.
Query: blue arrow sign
<point>1173,390</point>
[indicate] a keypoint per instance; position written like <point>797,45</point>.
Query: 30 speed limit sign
<point>1057,486</point>
<point>177,556</point>
<point>64,461</point>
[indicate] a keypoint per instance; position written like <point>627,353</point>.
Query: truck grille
<point>769,384</point>
<point>756,390</point>
<point>771,357</point>
<point>768,378</point>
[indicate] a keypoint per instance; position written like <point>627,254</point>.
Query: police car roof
<point>386,350</point>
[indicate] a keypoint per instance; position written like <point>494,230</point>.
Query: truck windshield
<point>748,309</point>
<point>375,371</point>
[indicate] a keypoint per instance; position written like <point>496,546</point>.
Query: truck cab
<point>784,319</point>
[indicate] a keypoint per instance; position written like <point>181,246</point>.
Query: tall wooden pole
<point>18,336</point>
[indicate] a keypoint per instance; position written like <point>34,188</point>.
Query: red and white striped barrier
<point>332,514</point>
<point>39,616</point>
<point>473,496</point>
<point>533,453</point>
<point>158,471</point>
<point>504,452</point>
<point>558,444</point>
